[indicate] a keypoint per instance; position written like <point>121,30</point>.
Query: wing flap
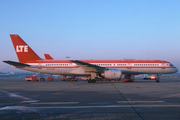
<point>89,67</point>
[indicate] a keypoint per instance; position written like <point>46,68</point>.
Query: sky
<point>92,29</point>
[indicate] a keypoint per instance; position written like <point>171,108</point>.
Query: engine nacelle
<point>112,74</point>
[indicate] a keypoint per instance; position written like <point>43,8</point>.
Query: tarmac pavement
<point>66,100</point>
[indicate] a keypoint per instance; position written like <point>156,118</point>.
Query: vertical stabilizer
<point>23,51</point>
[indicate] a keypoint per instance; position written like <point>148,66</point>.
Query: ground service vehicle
<point>42,79</point>
<point>149,77</point>
<point>50,78</point>
<point>31,78</point>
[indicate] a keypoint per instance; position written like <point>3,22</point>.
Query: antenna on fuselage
<point>67,57</point>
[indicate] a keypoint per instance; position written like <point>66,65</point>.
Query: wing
<point>89,67</point>
<point>16,64</point>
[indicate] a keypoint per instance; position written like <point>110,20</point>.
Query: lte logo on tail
<point>22,48</point>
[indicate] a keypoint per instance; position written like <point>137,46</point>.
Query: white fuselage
<point>126,68</point>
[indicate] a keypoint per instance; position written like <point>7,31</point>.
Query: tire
<point>89,81</point>
<point>94,81</point>
<point>157,81</point>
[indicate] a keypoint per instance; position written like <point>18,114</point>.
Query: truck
<point>31,78</point>
<point>50,78</point>
<point>149,77</point>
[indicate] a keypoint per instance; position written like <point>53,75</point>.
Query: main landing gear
<point>93,78</point>
<point>92,81</point>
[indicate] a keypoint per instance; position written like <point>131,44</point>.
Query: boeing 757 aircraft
<point>109,69</point>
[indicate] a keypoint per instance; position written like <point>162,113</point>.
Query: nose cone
<point>176,70</point>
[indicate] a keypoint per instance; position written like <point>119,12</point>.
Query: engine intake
<point>112,74</point>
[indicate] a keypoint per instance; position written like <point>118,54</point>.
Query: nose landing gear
<point>157,80</point>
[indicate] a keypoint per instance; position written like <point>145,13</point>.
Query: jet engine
<point>112,74</point>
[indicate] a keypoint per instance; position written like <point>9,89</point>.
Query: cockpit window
<point>171,65</point>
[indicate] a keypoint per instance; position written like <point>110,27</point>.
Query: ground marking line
<point>139,101</point>
<point>85,107</point>
<point>56,103</point>
<point>108,106</point>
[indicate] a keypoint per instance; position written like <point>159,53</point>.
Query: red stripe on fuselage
<point>129,67</point>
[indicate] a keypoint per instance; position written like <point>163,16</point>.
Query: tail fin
<point>47,56</point>
<point>23,51</point>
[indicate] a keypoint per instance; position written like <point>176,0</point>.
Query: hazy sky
<point>93,29</point>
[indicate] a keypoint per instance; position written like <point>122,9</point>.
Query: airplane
<point>108,69</point>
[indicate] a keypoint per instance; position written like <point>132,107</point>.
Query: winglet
<point>23,51</point>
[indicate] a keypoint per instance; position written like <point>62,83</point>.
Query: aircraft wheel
<point>157,81</point>
<point>89,81</point>
<point>94,81</point>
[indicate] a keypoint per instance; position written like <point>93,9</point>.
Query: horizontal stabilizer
<point>48,57</point>
<point>16,64</point>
